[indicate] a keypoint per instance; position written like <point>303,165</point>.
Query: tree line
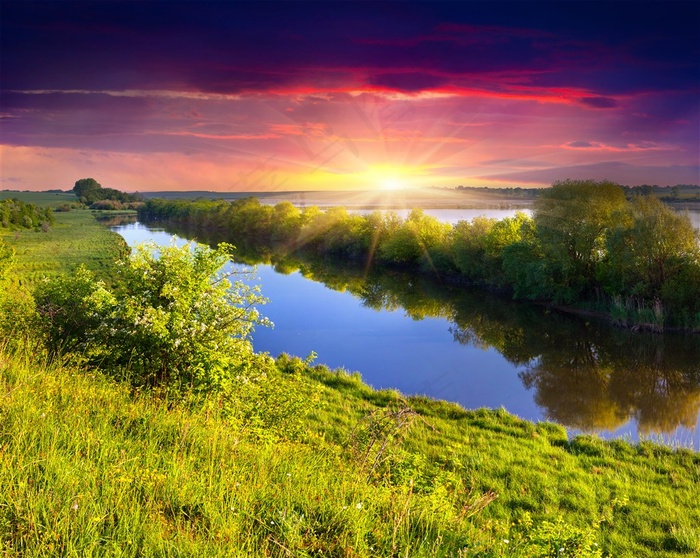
<point>16,214</point>
<point>585,246</point>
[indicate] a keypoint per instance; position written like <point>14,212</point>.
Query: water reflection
<point>583,373</point>
<point>111,220</point>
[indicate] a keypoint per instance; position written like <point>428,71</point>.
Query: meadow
<point>304,461</point>
<point>75,238</point>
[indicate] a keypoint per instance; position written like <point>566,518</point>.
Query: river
<point>478,350</point>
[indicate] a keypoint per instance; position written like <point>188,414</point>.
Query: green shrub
<point>175,320</point>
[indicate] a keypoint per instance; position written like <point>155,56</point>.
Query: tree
<point>571,221</point>
<point>469,247</point>
<point>654,255</point>
<point>86,190</point>
<point>416,241</point>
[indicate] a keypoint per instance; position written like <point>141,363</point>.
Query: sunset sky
<point>246,96</point>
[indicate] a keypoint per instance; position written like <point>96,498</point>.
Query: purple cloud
<point>622,173</point>
<point>598,102</point>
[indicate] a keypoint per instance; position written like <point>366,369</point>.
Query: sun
<point>387,177</point>
<point>391,183</point>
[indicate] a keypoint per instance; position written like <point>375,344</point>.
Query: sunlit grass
<point>75,238</point>
<point>89,468</point>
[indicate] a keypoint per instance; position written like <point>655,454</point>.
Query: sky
<point>268,96</point>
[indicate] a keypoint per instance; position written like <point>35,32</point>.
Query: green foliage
<point>89,192</point>
<point>16,214</point>
<point>419,241</point>
<point>72,309</point>
<point>86,187</point>
<point>654,254</point>
<point>175,320</point>
<point>571,220</point>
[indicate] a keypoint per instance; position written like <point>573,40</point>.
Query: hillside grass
<point>88,467</point>
<point>317,463</point>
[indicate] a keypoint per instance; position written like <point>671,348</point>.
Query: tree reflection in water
<point>585,373</point>
<point>591,376</point>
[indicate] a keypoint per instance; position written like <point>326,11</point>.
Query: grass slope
<point>88,468</point>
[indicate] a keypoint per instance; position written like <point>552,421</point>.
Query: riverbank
<point>566,254</point>
<point>331,467</point>
<point>424,198</point>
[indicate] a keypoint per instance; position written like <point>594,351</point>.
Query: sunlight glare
<point>388,177</point>
<point>391,184</point>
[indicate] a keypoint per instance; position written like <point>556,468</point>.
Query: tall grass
<point>88,467</point>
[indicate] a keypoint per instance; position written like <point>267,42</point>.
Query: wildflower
<point>358,505</point>
<point>74,506</point>
<point>505,541</point>
<point>561,549</point>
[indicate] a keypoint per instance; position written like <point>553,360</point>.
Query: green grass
<point>89,468</point>
<point>75,238</point>
<point>43,199</point>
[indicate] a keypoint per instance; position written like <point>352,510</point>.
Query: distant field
<point>40,198</point>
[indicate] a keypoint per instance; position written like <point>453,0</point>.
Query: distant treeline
<point>678,192</point>
<point>586,245</point>
<point>15,213</point>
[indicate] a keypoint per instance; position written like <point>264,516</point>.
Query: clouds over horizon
<point>356,85</point>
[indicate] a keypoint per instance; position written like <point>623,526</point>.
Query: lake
<point>478,350</point>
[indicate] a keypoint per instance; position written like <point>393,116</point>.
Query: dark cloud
<point>510,163</point>
<point>263,46</point>
<point>581,144</point>
<point>598,102</point>
<point>408,82</point>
